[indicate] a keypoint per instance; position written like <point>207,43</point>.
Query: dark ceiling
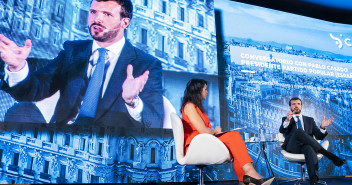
<point>339,11</point>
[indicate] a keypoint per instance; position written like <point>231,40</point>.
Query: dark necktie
<point>92,95</point>
<point>299,123</point>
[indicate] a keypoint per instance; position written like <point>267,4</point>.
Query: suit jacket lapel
<point>76,68</point>
<point>80,66</point>
<point>306,125</point>
<point>293,123</point>
<point>117,78</point>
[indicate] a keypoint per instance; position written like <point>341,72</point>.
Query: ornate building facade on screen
<point>181,33</point>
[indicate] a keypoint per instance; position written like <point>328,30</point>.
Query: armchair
<point>204,149</point>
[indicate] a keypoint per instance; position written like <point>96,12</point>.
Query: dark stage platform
<point>329,181</point>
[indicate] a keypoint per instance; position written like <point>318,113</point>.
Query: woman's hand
<point>196,120</point>
<point>217,130</point>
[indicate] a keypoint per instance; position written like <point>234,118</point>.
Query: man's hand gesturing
<point>289,116</point>
<point>132,86</point>
<point>326,123</point>
<point>14,55</point>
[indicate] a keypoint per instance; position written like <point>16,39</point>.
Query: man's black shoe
<point>314,180</point>
<point>339,162</point>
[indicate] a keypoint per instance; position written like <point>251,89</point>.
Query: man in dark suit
<point>299,131</point>
<point>127,86</point>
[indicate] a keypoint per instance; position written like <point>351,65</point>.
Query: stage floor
<point>329,181</point>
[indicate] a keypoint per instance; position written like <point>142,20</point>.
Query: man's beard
<point>298,111</point>
<point>108,35</point>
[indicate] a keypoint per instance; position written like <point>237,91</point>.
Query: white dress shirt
<point>114,51</point>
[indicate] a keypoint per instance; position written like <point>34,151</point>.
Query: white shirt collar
<point>115,48</point>
<point>299,115</point>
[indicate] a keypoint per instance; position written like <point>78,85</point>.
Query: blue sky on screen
<point>266,25</point>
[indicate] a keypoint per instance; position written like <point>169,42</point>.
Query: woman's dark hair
<point>193,93</point>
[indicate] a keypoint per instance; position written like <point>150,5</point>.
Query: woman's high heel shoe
<point>248,180</point>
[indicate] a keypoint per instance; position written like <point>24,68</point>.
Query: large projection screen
<point>269,56</point>
<point>180,34</point>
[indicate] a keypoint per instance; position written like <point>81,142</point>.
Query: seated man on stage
<point>299,131</point>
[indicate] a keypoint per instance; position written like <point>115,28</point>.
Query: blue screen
<point>181,35</point>
<point>271,56</point>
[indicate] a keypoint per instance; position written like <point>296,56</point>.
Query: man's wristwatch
<point>134,103</point>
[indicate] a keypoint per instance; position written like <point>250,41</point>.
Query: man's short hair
<point>294,98</point>
<point>126,7</point>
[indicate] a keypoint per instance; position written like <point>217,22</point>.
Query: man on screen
<point>299,131</point>
<point>106,81</point>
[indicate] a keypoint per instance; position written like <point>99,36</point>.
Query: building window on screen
<point>60,10</point>
<point>67,139</point>
<point>144,39</point>
<point>79,178</point>
<point>83,144</point>
<point>163,7</point>
<point>152,155</point>
<point>63,171</point>
<point>83,18</point>
<point>30,161</point>
<point>36,131</point>
<point>51,136</point>
<point>200,60</point>
<point>100,149</point>
<point>46,167</point>
<point>200,20</point>
<point>172,153</point>
<point>94,179</point>
<point>181,14</point>
<point>161,43</point>
<point>132,152</point>
<point>180,50</point>
<point>16,156</point>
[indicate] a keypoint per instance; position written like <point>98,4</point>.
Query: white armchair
<point>204,149</point>
<point>299,158</point>
<point>168,109</point>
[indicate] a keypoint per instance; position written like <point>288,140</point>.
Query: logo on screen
<point>339,42</point>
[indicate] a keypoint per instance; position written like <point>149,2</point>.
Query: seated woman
<point>195,121</point>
